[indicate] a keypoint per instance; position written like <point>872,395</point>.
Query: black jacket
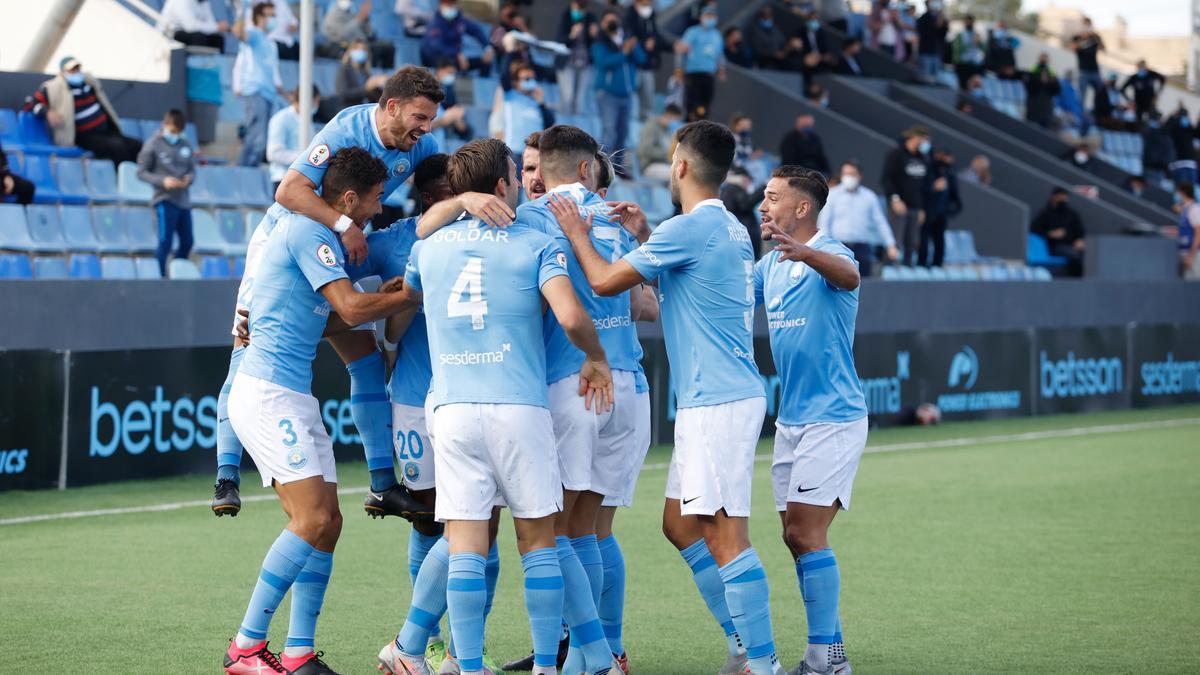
<point>1041,86</point>
<point>804,149</point>
<point>931,34</point>
<point>843,66</point>
<point>1052,218</point>
<point>1145,87</point>
<point>904,174</point>
<point>1181,136</point>
<point>644,29</point>
<point>1158,149</point>
<point>945,203</point>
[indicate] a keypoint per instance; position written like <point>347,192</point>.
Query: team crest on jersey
<point>319,155</point>
<point>401,168</point>
<point>297,459</point>
<point>774,304</point>
<point>797,271</point>
<point>412,472</point>
<point>561,258</point>
<point>326,256</point>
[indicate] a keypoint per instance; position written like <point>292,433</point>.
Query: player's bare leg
<point>806,534</point>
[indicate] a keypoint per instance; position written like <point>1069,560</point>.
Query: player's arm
<point>488,208</point>
<point>839,271</point>
<point>595,379</point>
<point>398,323</point>
<point>298,193</point>
<point>356,308</point>
<point>646,300</point>
<point>604,277</point>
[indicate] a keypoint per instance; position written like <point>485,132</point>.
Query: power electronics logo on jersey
<point>963,375</point>
<point>883,393</point>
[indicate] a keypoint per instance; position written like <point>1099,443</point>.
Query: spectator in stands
<point>343,25</point>
<point>979,171</point>
<point>192,23</point>
<point>975,88</point>
<point>286,28</point>
<point>354,82</point>
<point>167,161</point>
<point>1136,186</point>
<point>416,16</point>
<point>903,180</point>
<point>817,96</point>
<point>887,30</point>
<point>942,202</point>
<point>1158,148</point>
<point>1179,126</point>
<point>743,132</point>
<point>284,144</point>
<point>802,146</point>
<point>703,63</point>
<point>836,14</point>
<point>932,28</point>
<point>967,52</point>
<point>507,21</point>
<point>815,39</point>
<point>515,50</point>
<point>771,48</point>
<point>741,199</point>
<point>258,81</point>
<point>1001,57</point>
<point>737,51</point>
<point>1081,156</point>
<point>1189,223</point>
<point>616,57</point>
<point>641,22</point>
<point>520,111</point>
<point>654,144</point>
<point>1087,44</point>
<point>78,112</point>
<point>907,13</point>
<point>444,41</point>
<point>848,64</point>
<point>854,216</point>
<point>576,29</point>
<point>1041,86</point>
<point>12,185</point>
<point>1062,228</point>
<point>1145,84</point>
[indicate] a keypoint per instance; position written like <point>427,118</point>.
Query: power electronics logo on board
<point>13,461</point>
<point>964,374</point>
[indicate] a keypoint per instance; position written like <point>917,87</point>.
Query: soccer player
<point>809,285</point>
<point>491,425</point>
<point>704,263</point>
<point>301,280</point>
<point>530,180</point>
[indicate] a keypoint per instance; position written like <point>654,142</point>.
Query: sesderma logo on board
<point>1072,377</point>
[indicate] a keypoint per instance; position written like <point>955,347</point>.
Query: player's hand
<point>242,325</point>
<point>567,214</point>
<point>356,245</point>
<point>596,386</point>
<point>488,208</point>
<point>393,285</point>
<point>632,218</point>
<point>787,247</point>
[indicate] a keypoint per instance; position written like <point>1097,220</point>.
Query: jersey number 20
<point>469,283</point>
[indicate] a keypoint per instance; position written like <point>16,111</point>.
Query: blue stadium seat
<point>205,233</point>
<point>146,267</point>
<point>937,274</point>
<point>38,170</point>
<point>45,230</point>
<point>921,274</point>
<point>253,218</point>
<point>101,180</point>
<point>78,233</point>
<point>35,137</point>
<point>216,186</point>
<point>239,267</point>
<point>15,266</point>
<point>117,267</point>
<point>14,229</point>
<point>130,188</point>
<point>252,186</point>
<point>10,134</point>
<point>132,128</point>
<point>905,273</point>
<point>231,225</point>
<point>85,266</point>
<point>889,273</point>
<point>141,224</point>
<point>72,184</point>
<point>484,91</point>
<point>189,132</point>
<point>181,268</point>
<point>1042,274</point>
<point>110,231</point>
<point>1038,253</point>
<point>214,267</point>
<point>149,128</point>
<point>970,274</point>
<point>50,267</point>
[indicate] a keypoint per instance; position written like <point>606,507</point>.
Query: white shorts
<point>485,450</point>
<point>282,430</point>
<point>639,445</point>
<point>576,433</point>
<point>414,451</point>
<point>712,466</point>
<point>816,463</point>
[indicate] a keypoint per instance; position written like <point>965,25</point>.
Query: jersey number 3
<point>469,284</point>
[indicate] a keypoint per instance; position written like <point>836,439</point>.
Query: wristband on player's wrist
<point>344,223</point>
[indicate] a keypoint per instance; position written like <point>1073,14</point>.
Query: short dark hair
<point>850,42</point>
<point>532,140</point>
<point>175,118</point>
<point>807,181</point>
<point>316,92</point>
<point>260,8</point>
<point>411,82</point>
<point>851,162</point>
<point>672,109</point>
<point>710,147</point>
<point>430,170</point>
<point>478,166</point>
<point>352,168</point>
<point>1186,188</point>
<point>1059,191</point>
<point>562,147</point>
<point>604,170</point>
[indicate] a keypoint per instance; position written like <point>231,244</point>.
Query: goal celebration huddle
<point>510,377</point>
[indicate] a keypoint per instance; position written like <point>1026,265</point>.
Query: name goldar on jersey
<point>471,234</point>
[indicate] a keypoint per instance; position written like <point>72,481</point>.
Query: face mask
<point>824,103</point>
<point>709,22</point>
<point>448,80</point>
<point>744,134</point>
<point>814,24</point>
<point>935,6</point>
<point>272,22</point>
<point>358,56</point>
<point>577,15</point>
<point>851,182</point>
<point>977,93</point>
<point>346,5</point>
<point>1141,72</point>
<point>171,138</point>
<point>766,23</point>
<point>1175,197</point>
<point>924,147</point>
<point>1081,158</point>
<point>449,13</point>
<point>1000,34</point>
<point>528,85</point>
<point>645,11</point>
<point>75,79</point>
<point>1185,122</point>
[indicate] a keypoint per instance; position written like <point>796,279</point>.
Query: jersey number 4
<point>469,284</point>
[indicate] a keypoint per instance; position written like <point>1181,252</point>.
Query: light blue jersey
<point>707,50</point>
<point>705,266</point>
<point>610,315</point>
<point>811,324</point>
<point>387,257</point>
<point>288,314</point>
<point>483,308</point>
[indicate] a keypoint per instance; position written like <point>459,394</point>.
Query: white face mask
<point>1081,158</point>
<point>346,5</point>
<point>851,182</point>
<point>645,11</point>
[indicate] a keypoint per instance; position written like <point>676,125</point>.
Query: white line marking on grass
<point>658,466</point>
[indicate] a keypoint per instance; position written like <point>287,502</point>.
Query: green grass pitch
<point>1073,553</point>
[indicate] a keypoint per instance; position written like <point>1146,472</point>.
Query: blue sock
<point>746,588</point>
<point>491,575</point>
<point>712,589</point>
<point>373,418</point>
<point>593,565</point>
<point>466,594</point>
<point>229,448</point>
<point>544,603</point>
<point>418,547</point>
<point>428,600</point>
<point>612,597</point>
<point>283,563</point>
<point>580,611</point>
<point>308,594</point>
<point>820,582</point>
